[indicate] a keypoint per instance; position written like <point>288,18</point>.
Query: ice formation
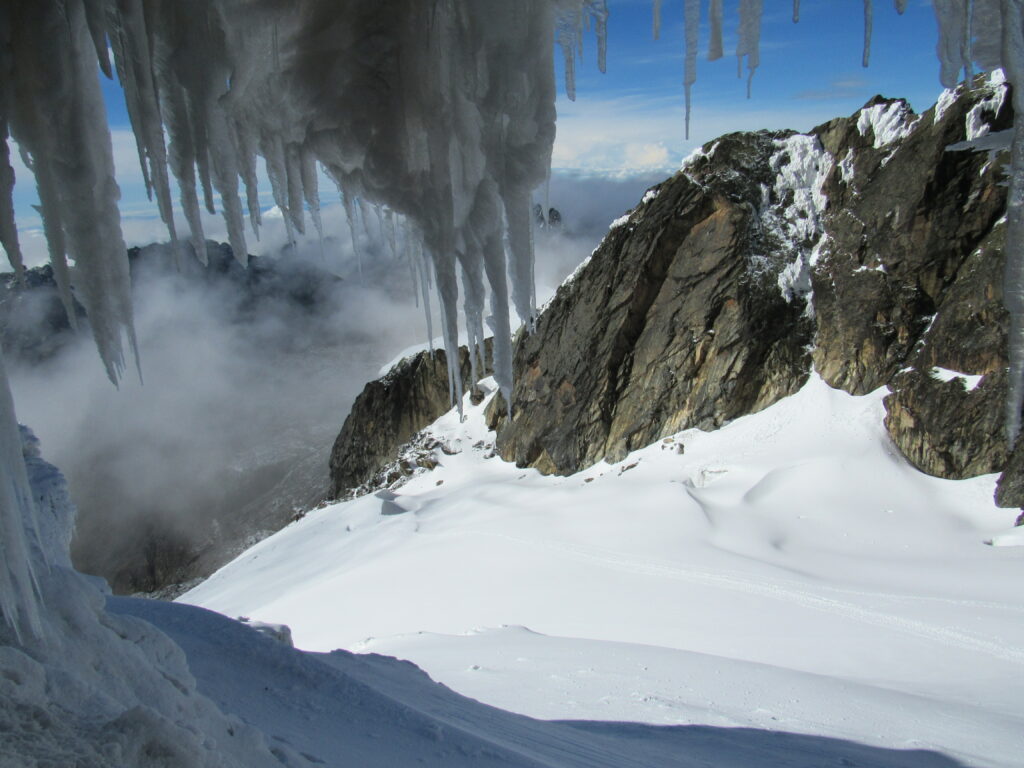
<point>441,113</point>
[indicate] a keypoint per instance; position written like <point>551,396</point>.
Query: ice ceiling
<point>441,112</point>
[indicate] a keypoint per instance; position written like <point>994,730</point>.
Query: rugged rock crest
<point>868,247</point>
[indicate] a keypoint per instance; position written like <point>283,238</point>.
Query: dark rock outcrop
<point>390,411</point>
<point>867,248</point>
<point>948,428</point>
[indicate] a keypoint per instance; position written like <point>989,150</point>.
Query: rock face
<point>904,217</point>
<point>869,248</point>
<point>676,321</point>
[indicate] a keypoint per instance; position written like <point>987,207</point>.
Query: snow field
<point>788,572</point>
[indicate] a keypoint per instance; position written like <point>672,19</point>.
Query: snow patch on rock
<point>888,123</point>
<point>970,381</point>
<point>801,167</point>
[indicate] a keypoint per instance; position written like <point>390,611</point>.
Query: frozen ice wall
<point>440,112</point>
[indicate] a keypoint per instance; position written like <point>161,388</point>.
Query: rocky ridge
<point>870,248</point>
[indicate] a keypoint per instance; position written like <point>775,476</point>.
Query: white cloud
<point>632,133</point>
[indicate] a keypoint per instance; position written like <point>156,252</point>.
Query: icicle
<point>749,37</point>
<point>133,58</point>
<point>715,49</point>
<point>966,46</point>
<point>796,11</point>
<point>656,31</point>
<point>8,227</point>
<point>350,217</point>
<point>95,13</point>
<point>566,43</point>
<point>53,231</point>
<point>901,6</point>
<point>19,591</point>
<point>202,160</point>
<point>546,212</point>
<point>277,172</point>
<point>520,241</point>
<point>72,158</point>
<point>402,247</point>
<point>692,30</point>
<point>180,157</point>
<point>599,12</point>
<point>493,253</point>
<point>294,187</point>
<point>224,89</point>
<point>224,157</point>
<point>472,308</point>
<point>1013,281</point>
<point>448,295</point>
<point>950,16</point>
<point>378,216</point>
<point>868,23</point>
<point>364,218</point>
<point>389,232</point>
<point>423,265</point>
<point>247,167</point>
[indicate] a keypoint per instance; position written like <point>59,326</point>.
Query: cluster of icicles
<point>441,112</point>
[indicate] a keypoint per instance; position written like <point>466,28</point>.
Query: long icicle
<point>691,20</point>
<point>868,23</point>
<point>715,14</point>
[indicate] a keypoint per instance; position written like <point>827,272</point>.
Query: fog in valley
<point>247,381</point>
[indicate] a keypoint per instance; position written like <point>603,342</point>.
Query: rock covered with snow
<point>867,248</point>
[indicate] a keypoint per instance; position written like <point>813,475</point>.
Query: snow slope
<point>787,574</point>
<point>372,711</point>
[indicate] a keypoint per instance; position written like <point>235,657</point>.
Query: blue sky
<point>630,119</point>
<point>809,73</point>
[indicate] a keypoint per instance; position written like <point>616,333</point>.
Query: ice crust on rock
<point>888,123</point>
<point>970,381</point>
<point>801,167</point>
<point>977,125</point>
<point>946,100</point>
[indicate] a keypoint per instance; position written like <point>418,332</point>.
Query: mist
<point>245,384</point>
